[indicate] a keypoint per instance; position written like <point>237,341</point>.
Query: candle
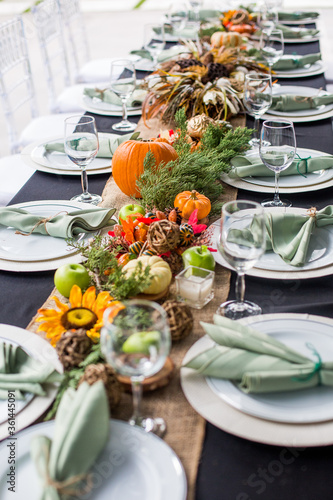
<point>195,286</point>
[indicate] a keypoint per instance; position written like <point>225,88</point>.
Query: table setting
<point>221,414</point>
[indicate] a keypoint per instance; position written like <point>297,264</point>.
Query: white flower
<point>210,97</point>
<point>223,82</point>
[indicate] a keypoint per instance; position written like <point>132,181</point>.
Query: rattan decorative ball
<point>73,347</point>
<point>100,371</point>
<point>163,236</point>
<point>180,319</point>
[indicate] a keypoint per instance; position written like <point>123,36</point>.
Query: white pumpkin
<point>159,269</point>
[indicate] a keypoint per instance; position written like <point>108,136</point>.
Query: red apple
<point>71,274</point>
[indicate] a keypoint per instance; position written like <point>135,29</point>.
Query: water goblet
<point>154,40</point>
<point>195,6</point>
<point>257,99</point>
<point>81,146</point>
<point>267,18</point>
<point>241,243</point>
<point>271,46</point>
<point>277,151</point>
<point>135,341</point>
<point>177,16</point>
<point>122,83</point>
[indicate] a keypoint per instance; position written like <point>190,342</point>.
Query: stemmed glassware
<point>271,46</point>
<point>257,99</point>
<point>122,83</point>
<point>195,7</point>
<point>267,18</point>
<point>277,151</point>
<point>135,341</point>
<point>241,243</point>
<point>177,16</point>
<point>81,146</point>
<point>154,40</point>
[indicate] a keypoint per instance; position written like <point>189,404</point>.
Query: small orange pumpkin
<point>188,201</point>
<point>127,162</point>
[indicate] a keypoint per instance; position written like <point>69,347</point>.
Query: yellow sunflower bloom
<point>84,311</point>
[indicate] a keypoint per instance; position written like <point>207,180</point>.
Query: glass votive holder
<point>195,286</point>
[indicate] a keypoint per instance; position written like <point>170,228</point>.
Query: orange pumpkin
<point>127,162</point>
<point>188,201</point>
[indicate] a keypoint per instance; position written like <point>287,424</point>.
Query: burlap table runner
<point>186,428</point>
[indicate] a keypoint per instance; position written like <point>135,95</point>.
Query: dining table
<point>230,467</point>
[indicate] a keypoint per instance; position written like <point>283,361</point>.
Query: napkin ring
<point>316,368</point>
<point>312,212</point>
<point>40,222</point>
<point>306,164</point>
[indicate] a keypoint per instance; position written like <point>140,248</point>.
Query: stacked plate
<point>302,418</point>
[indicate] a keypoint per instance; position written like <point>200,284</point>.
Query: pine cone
<point>175,262</point>
<point>175,211</point>
<point>104,372</point>
<point>215,70</point>
<point>180,319</point>
<point>73,347</point>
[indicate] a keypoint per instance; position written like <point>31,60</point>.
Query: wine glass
<point>154,40</point>
<point>277,151</point>
<point>271,46</point>
<point>241,243</point>
<point>195,7</point>
<point>267,18</point>
<point>177,16</point>
<point>257,99</point>
<point>135,341</point>
<point>122,83</point>
<point>81,146</point>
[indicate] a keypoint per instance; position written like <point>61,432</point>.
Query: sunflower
<point>84,311</point>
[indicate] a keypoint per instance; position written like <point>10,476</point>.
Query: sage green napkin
<point>109,97</point>
<point>107,145</point>
<point>62,225</point>
<point>297,16</point>
<point>165,55</point>
<point>245,166</point>
<point>288,62</point>
<point>289,32</point>
<point>292,102</point>
<point>21,373</point>
<point>81,431</point>
<point>257,362</point>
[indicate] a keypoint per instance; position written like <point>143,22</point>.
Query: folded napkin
<point>165,55</point>
<point>297,16</point>
<point>293,62</point>
<point>21,373</point>
<point>292,102</point>
<point>257,362</point>
<point>81,432</point>
<point>289,32</point>
<point>107,145</point>
<point>62,225</point>
<point>288,234</point>
<point>108,96</point>
<point>245,166</point>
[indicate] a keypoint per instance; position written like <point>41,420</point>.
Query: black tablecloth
<point>231,468</point>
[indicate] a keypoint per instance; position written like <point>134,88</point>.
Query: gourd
<point>159,269</point>
<point>222,39</point>
<point>127,162</point>
<point>188,201</point>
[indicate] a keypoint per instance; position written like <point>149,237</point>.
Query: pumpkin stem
<point>193,195</point>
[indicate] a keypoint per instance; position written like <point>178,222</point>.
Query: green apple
<point>71,274</point>
<point>199,257</point>
<point>127,210</point>
<point>140,342</point>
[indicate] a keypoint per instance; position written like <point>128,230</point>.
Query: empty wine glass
<point>267,18</point>
<point>135,341</point>
<point>122,83</point>
<point>241,243</point>
<point>195,6</point>
<point>257,99</point>
<point>154,40</point>
<point>271,46</point>
<point>277,151</point>
<point>81,146</point>
<point>177,16</point>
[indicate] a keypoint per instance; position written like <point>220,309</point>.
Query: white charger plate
<point>42,350</point>
<point>287,184</point>
<point>305,39</point>
<point>307,20</point>
<point>37,247</point>
<point>226,417</point>
<point>301,91</point>
<point>320,255</point>
<point>135,465</point>
<point>316,68</point>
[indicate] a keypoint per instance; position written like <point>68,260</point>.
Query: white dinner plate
<point>42,350</point>
<point>304,39</point>
<point>38,247</point>
<point>301,91</point>
<point>317,68</point>
<point>307,20</point>
<point>319,256</point>
<point>133,465</point>
<point>289,183</point>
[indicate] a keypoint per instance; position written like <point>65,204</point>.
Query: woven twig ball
<point>100,371</point>
<point>180,319</point>
<point>163,235</point>
<point>73,347</point>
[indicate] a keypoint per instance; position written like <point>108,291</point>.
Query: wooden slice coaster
<point>155,296</point>
<point>161,379</point>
